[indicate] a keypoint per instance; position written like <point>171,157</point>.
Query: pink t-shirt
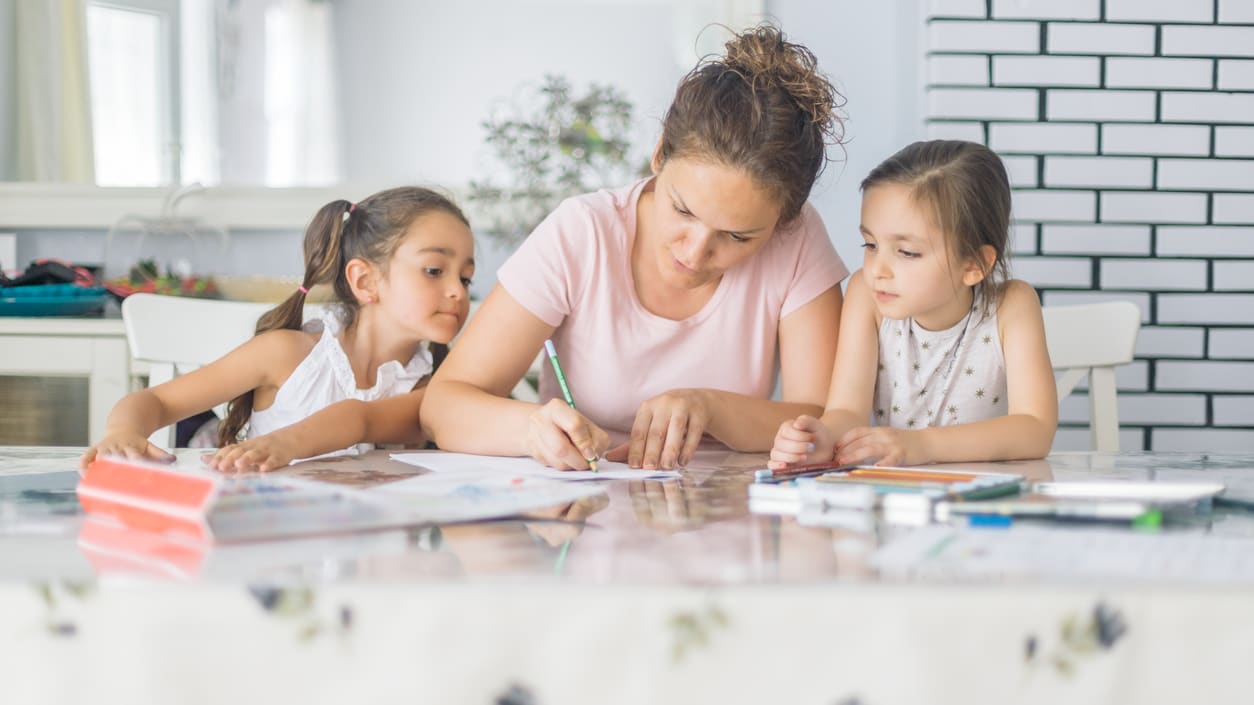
<point>574,272</point>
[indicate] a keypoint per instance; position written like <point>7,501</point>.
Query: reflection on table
<point>655,591</point>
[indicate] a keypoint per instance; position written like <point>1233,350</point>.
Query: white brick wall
<point>1231,343</point>
<point>985,37</point>
<point>1067,104</point>
<point>1093,239</point>
<point>1159,73</point>
<point>1185,40</point>
<point>1111,172</point>
<point>1001,103</point>
<point>958,71</point>
<point>1207,107</point>
<point>1236,75</point>
<point>1208,440</point>
<point>1060,272</point>
<point>1236,11</point>
<point>1205,242</point>
<point>957,8</point>
<point>1234,410</point>
<point>1234,141</point>
<point>1064,138</point>
<point>1159,11</point>
<point>1185,140</point>
<point>1153,207</point>
<point>1216,376</point>
<point>1022,171</point>
<point>1234,309</point>
<point>1100,38</point>
<point>1127,128</point>
<point>1056,206</point>
<point>1234,276</point>
<point>1047,9</point>
<point>1206,174</point>
<point>1154,274</point>
<point>1046,71</point>
<point>956,130</point>
<point>1159,341</point>
<point>1235,208</point>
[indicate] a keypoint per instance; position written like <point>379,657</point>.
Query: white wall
<point>421,77</point>
<point>873,52</point>
<point>8,68</point>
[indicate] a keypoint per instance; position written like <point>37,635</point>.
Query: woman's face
<point>707,218</point>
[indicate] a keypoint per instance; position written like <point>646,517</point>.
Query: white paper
<point>468,464</point>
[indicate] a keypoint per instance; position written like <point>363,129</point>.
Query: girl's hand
<point>260,454</point>
<point>129,444</point>
<point>805,439</point>
<point>892,446</point>
<point>563,438</point>
<point>667,430</point>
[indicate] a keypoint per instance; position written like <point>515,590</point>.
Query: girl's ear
<point>979,267</point>
<point>363,279</point>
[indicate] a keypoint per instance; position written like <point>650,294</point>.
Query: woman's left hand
<point>261,454</point>
<point>667,430</point>
<point>892,446</point>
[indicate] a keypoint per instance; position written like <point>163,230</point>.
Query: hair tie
<point>302,289</point>
<point>351,207</point>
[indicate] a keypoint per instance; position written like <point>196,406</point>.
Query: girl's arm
<point>1027,429</point>
<point>467,406</point>
<point>807,347</point>
<point>810,440</point>
<point>253,364</point>
<point>342,424</point>
<point>857,361</point>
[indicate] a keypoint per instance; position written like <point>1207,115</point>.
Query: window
<point>132,56</point>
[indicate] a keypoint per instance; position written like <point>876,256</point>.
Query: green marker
<point>561,381</point>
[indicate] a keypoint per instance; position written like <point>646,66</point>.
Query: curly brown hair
<point>763,107</point>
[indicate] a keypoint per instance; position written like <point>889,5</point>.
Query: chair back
<point>1090,340</point>
<point>177,334</point>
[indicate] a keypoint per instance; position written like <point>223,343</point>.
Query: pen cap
<point>549,349</point>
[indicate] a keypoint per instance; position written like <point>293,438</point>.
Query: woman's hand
<point>667,430</point>
<point>804,439</point>
<point>563,438</point>
<point>260,454</point>
<point>126,443</point>
<point>892,446</point>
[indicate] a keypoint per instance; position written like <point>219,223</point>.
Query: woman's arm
<point>467,406</point>
<point>342,424</point>
<point>807,346</point>
<point>247,367</point>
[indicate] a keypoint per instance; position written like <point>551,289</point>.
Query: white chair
<point>1091,340</point>
<point>176,334</point>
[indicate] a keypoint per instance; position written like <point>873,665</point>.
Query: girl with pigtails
<point>400,264</point>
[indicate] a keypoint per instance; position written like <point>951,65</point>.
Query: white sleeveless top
<point>940,378</point>
<point>325,377</point>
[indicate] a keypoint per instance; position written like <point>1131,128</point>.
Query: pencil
<point>561,381</point>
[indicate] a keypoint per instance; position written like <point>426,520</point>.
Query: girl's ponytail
<point>323,260</point>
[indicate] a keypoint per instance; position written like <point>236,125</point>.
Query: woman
<point>667,299</point>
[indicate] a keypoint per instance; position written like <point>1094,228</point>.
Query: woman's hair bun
<point>766,59</point>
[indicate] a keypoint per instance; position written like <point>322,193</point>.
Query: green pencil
<point>561,381</point>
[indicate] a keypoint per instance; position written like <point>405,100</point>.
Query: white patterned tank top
<point>940,378</point>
